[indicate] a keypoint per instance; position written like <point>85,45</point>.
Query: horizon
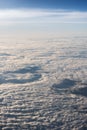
<point>55,17</point>
<point>43,64</point>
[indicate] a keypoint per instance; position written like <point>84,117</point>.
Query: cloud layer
<point>43,84</point>
<point>43,16</point>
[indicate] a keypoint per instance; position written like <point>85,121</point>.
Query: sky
<point>35,17</point>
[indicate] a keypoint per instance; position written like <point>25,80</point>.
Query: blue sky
<point>44,16</point>
<point>52,4</point>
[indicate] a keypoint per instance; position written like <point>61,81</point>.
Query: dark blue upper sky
<point>80,5</point>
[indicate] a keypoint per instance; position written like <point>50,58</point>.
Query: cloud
<point>41,16</point>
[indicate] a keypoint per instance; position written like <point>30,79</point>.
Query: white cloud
<point>44,16</point>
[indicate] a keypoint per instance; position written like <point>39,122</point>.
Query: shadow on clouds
<point>25,70</point>
<point>66,83</point>
<point>81,91</point>
<point>33,70</point>
<point>36,77</point>
<point>4,54</point>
